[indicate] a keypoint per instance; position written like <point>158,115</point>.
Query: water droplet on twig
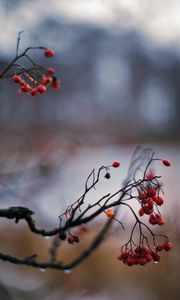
<point>42,269</point>
<point>67,271</point>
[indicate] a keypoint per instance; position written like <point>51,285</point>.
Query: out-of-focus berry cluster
<point>37,79</point>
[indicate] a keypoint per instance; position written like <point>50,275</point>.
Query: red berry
<point>22,82</point>
<point>56,83</point>
<point>152,192</point>
<point>70,239</point>
<point>136,260</point>
<point>41,89</point>
<point>50,71</point>
<point>159,248</point>
<point>123,256</point>
<point>148,257</point>
<point>150,203</point>
<point>158,200</point>
<point>141,212</point>
<point>138,250</point>
<point>130,261</point>
<point>150,175</point>
<point>147,210</point>
<point>167,246</point>
<point>160,220</point>
<point>152,219</point>
<point>49,52</point>
<point>143,195</point>
<point>34,91</point>
<point>76,238</point>
<point>116,164</point>
<point>16,78</point>
<point>166,163</point>
<point>46,80</point>
<point>142,261</point>
<point>25,88</point>
<point>155,256</point>
<point>146,250</point>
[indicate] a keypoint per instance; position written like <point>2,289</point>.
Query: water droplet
<point>42,269</point>
<point>67,271</point>
<point>156,262</point>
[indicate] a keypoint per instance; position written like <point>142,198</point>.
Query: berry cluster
<point>167,246</point>
<point>143,255</point>
<point>148,197</point>
<point>149,200</point>
<point>140,256</point>
<point>37,79</point>
<point>71,239</point>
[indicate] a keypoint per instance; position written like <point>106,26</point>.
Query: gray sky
<point>157,19</point>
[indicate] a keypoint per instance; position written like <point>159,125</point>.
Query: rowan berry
<point>138,250</point>
<point>107,175</point>
<point>167,246</point>
<point>152,192</point>
<point>141,212</point>
<point>159,219</point>
<point>70,239</point>
<point>155,256</point>
<point>123,256</point>
<point>41,89</point>
<point>166,163</point>
<point>76,238</point>
<point>150,175</point>
<point>148,257</point>
<point>25,88</point>
<point>56,84</point>
<point>152,219</point>
<point>159,248</point>
<point>110,213</point>
<point>158,200</point>
<point>50,71</point>
<point>143,196</point>
<point>136,260</point>
<point>16,78</point>
<point>22,82</point>
<point>147,210</point>
<point>142,261</point>
<point>49,52</point>
<point>46,80</point>
<point>150,203</point>
<point>129,261</point>
<point>116,164</point>
<point>34,91</point>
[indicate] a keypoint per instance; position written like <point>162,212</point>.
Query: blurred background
<point>119,64</point>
